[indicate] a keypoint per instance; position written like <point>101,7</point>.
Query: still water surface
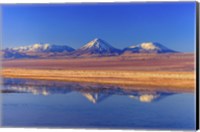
<point>29,103</point>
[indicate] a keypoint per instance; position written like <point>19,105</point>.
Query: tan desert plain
<point>165,72</point>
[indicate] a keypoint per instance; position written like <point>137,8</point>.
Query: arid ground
<point>160,71</point>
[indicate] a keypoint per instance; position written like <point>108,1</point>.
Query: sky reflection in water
<point>31,103</point>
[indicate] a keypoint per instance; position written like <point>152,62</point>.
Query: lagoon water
<point>29,103</point>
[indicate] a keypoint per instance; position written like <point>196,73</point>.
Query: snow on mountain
<point>148,47</point>
<point>43,48</point>
<point>36,51</point>
<point>97,47</point>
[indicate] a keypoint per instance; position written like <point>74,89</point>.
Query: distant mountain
<point>148,47</point>
<point>97,47</point>
<point>12,54</point>
<point>43,48</point>
<point>36,51</point>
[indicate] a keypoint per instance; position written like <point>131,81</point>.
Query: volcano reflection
<point>92,92</point>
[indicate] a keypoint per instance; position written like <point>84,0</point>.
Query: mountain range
<point>96,47</point>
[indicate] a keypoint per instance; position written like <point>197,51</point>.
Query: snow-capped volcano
<point>97,47</point>
<point>44,48</point>
<point>148,47</point>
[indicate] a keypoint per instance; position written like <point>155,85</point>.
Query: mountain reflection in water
<point>95,93</point>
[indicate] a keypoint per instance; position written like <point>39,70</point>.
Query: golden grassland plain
<point>156,71</point>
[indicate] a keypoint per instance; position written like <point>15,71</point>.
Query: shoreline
<point>159,80</point>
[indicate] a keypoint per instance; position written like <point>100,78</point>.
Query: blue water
<point>71,105</point>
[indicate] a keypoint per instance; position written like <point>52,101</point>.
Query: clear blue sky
<point>122,25</point>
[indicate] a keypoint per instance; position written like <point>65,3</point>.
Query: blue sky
<point>121,25</point>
